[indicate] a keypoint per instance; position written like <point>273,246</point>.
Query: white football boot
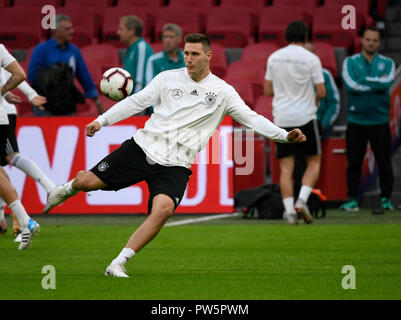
<point>116,270</point>
<point>27,233</point>
<point>57,196</point>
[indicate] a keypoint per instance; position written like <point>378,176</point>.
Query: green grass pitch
<point>223,259</point>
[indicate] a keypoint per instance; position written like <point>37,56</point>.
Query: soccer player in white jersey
<point>11,153</point>
<point>189,104</point>
<point>292,72</point>
<point>28,226</point>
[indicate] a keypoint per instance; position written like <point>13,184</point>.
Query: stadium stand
<point>264,107</point>
<point>327,56</point>
<point>309,5</point>
<point>203,6</point>
<point>254,73</point>
<point>148,4</point>
<point>274,20</point>
<point>258,52</point>
<point>230,26</point>
<point>245,90</point>
<point>363,10</point>
<point>327,27</point>
<point>98,8</point>
<point>37,3</point>
<point>157,46</point>
<point>103,54</point>
<point>218,65</point>
<point>84,25</point>
<point>255,7</point>
<point>112,19</point>
<point>25,63</point>
<point>20,28</point>
<point>179,16</point>
<point>89,3</point>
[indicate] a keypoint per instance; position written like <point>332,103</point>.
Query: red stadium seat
<point>83,23</point>
<point>264,107</point>
<point>112,20</point>
<point>148,4</point>
<point>230,26</point>
<point>258,52</point>
<point>254,5</point>
<point>382,8</point>
<point>20,28</point>
<point>25,64</point>
<point>188,19</point>
<point>218,64</point>
<point>89,3</point>
<point>97,6</point>
<point>245,90</point>
<point>104,54</point>
<point>36,3</point>
<point>327,27</point>
<point>309,5</point>
<point>327,56</point>
<point>252,72</point>
<point>362,10</point>
<point>157,46</point>
<point>203,6</point>
<point>274,21</point>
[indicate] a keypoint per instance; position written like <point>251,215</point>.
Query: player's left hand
<point>296,136</point>
<point>12,98</point>
<point>39,101</point>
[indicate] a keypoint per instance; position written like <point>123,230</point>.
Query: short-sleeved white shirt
<point>186,114</point>
<point>5,59</point>
<point>293,71</point>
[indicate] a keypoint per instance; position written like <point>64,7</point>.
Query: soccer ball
<point>116,84</point>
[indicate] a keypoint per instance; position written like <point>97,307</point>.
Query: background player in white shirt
<point>189,105</point>
<point>11,153</point>
<point>292,72</point>
<point>29,227</point>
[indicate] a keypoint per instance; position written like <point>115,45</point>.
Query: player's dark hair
<point>297,31</point>
<point>199,38</point>
<point>374,29</point>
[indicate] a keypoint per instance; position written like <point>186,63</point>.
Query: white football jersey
<point>5,59</point>
<point>23,86</point>
<point>186,114</point>
<point>293,71</point>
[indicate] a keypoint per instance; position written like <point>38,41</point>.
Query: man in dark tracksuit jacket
<point>368,77</point>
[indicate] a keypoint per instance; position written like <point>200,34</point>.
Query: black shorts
<point>311,146</point>
<point>128,165</point>
<point>11,144</point>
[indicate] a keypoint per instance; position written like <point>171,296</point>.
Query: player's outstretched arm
<point>92,128</point>
<point>296,136</point>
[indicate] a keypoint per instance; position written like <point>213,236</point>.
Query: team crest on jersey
<point>103,166</point>
<point>210,98</point>
<point>177,93</point>
<point>381,66</point>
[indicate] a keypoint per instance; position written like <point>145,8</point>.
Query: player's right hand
<point>92,128</point>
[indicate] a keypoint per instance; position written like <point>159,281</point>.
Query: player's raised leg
<point>84,181</point>
<point>31,169</point>
<point>162,209</point>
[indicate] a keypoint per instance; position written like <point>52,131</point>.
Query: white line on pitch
<point>195,220</point>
